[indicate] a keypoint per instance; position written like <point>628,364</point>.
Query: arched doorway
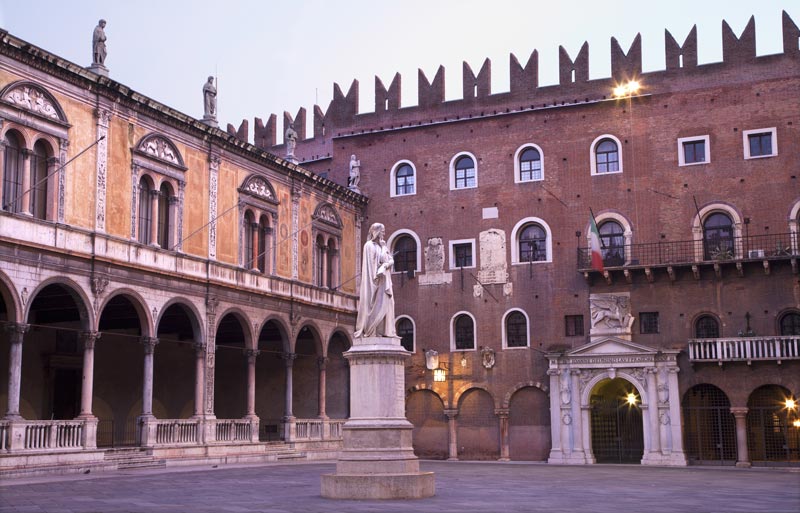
<point>772,437</point>
<point>305,375</point>
<point>271,380</point>
<point>52,363</point>
<point>118,373</point>
<point>230,368</point>
<point>337,379</point>
<point>616,422</point>
<point>478,432</point>
<point>529,425</point>
<point>175,363</point>
<point>424,409</point>
<point>709,429</point>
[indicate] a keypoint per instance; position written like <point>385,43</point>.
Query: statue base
<point>99,69</point>
<point>211,121</point>
<point>377,461</point>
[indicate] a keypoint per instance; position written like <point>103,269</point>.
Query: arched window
<point>790,324</point>
<point>532,244</point>
<point>145,211</point>
<point>612,243</point>
<point>465,176</point>
<point>404,180</point>
<point>718,237</point>
<point>706,326</point>
<point>321,250</point>
<point>607,156</point>
<point>464,332</point>
<point>405,330</point>
<point>263,243</point>
<point>248,230</point>
<point>41,154</point>
<point>405,259</point>
<point>165,199</point>
<point>516,329</point>
<point>530,165</point>
<point>332,263</point>
<point>12,173</point>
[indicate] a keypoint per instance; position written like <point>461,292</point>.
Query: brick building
<point>684,347</point>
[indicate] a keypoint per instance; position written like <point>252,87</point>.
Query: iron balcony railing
<point>745,349</point>
<point>774,246</point>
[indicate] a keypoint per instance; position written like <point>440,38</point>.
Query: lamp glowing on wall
<point>439,375</point>
<point>791,404</point>
<point>631,399</point>
<point>627,89</point>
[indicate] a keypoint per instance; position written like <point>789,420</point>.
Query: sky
<point>270,56</point>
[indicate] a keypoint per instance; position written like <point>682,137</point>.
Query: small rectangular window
<point>462,253</point>
<point>648,322</point>
<point>759,143</point>
<point>573,325</point>
<point>693,151</point>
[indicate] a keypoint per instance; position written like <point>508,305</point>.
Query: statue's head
<point>102,23</point>
<point>376,231</point>
<point>352,157</point>
<point>210,79</point>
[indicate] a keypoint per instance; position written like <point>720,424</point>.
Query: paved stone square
<point>460,487</point>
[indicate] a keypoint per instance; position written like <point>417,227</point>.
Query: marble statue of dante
<point>376,301</point>
<point>99,43</point>
<point>210,98</point>
<point>290,138</point>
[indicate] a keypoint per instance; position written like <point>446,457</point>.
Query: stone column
<point>743,458</point>
<point>502,415</point>
<point>16,333</point>
<point>251,381</point>
<point>322,361</point>
<point>3,159</point>
<point>51,210</point>
<point>577,414</point>
<point>452,446</point>
<point>295,229</point>
<point>213,179</point>
<point>323,255</point>
<point>154,194</point>
<point>23,201</point>
<point>652,413</point>
<point>103,117</point>
<point>199,375</point>
<point>87,385</point>
<point>288,360</point>
<point>149,344</point>
<point>556,455</point>
<point>677,455</point>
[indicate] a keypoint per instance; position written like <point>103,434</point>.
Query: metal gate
<point>617,435</point>
<point>771,436</point>
<point>117,434</point>
<point>709,426</point>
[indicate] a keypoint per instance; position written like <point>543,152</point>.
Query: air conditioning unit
<point>755,253</point>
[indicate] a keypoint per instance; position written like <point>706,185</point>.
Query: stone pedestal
<point>377,461</point>
<point>99,69</point>
<point>210,121</point>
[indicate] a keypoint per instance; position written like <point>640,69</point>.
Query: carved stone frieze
<point>30,97</point>
<point>161,148</point>
<point>327,214</point>
<point>494,267</point>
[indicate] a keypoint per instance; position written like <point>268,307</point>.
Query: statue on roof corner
<point>210,99</point>
<point>99,44</point>
<point>355,174</point>
<point>290,138</point>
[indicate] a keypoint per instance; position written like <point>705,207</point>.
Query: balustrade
<point>744,349</point>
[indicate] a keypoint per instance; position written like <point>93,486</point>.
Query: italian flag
<point>594,246</point>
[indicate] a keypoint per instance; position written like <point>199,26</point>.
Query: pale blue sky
<point>273,56</point>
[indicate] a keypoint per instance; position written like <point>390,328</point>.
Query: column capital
<point>739,411</point>
<point>89,338</point>
<point>149,344</point>
<point>288,358</point>
<point>251,353</point>
<point>200,349</point>
<point>553,372</point>
<point>502,412</point>
<point>322,361</point>
<point>17,330</point>
<point>154,193</point>
<point>451,414</point>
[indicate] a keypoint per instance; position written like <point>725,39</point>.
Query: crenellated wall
<point>574,87</point>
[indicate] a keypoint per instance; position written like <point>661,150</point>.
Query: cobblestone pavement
<point>460,487</point>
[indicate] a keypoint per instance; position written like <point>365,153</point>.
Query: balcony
<point>744,349</point>
<point>671,256</point>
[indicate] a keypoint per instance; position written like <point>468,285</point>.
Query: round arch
<point>403,231</point>
<point>794,226</point>
<point>341,332</point>
<point>452,169</point>
<point>515,259</point>
<point>593,154</point>
<point>587,391</point>
<point>393,181</point>
<point>10,295</point>
<point>517,178</point>
<point>316,335</point>
<point>504,331</point>
<point>139,304</point>
<point>195,317</point>
<point>519,386</point>
<point>473,386</point>
<point>244,321</point>
<point>453,331</point>
<point>280,323</point>
<point>82,301</point>
<point>619,218</point>
<point>699,218</point>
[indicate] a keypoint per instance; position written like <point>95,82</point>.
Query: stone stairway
<point>133,458</point>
